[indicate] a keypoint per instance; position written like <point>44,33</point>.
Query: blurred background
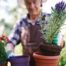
<point>12,11</point>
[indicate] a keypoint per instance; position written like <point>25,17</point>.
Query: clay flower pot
<point>19,61</point>
<point>42,60</point>
<point>3,64</point>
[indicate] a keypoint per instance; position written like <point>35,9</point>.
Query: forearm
<point>9,50</point>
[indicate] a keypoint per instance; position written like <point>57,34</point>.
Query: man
<point>27,30</point>
<point>20,29</point>
<point>22,33</point>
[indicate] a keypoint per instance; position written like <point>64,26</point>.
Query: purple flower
<point>60,6</point>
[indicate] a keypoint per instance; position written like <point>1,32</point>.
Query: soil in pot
<point>50,49</point>
<point>3,64</point>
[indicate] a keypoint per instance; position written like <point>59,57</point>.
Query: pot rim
<point>38,55</point>
<point>18,57</point>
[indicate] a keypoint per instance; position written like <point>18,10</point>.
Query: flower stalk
<point>56,20</point>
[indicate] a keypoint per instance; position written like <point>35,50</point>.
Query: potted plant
<point>3,55</point>
<point>49,52</point>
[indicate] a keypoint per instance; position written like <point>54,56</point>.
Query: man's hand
<point>61,41</point>
<point>9,50</point>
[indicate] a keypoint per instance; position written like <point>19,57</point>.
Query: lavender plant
<point>56,20</point>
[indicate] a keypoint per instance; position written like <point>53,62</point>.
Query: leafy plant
<point>56,20</point>
<point>63,57</point>
<point>3,55</point>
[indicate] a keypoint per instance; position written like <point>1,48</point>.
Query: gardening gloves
<point>9,50</point>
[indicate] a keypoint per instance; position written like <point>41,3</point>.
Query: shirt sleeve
<point>14,37</point>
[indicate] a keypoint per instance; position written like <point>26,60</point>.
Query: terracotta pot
<point>4,64</point>
<point>42,60</point>
<point>19,61</point>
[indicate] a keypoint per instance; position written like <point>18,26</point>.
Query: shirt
<point>15,36</point>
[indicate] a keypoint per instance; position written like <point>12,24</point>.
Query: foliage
<point>56,20</point>
<point>9,14</point>
<point>63,57</point>
<point>3,55</point>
